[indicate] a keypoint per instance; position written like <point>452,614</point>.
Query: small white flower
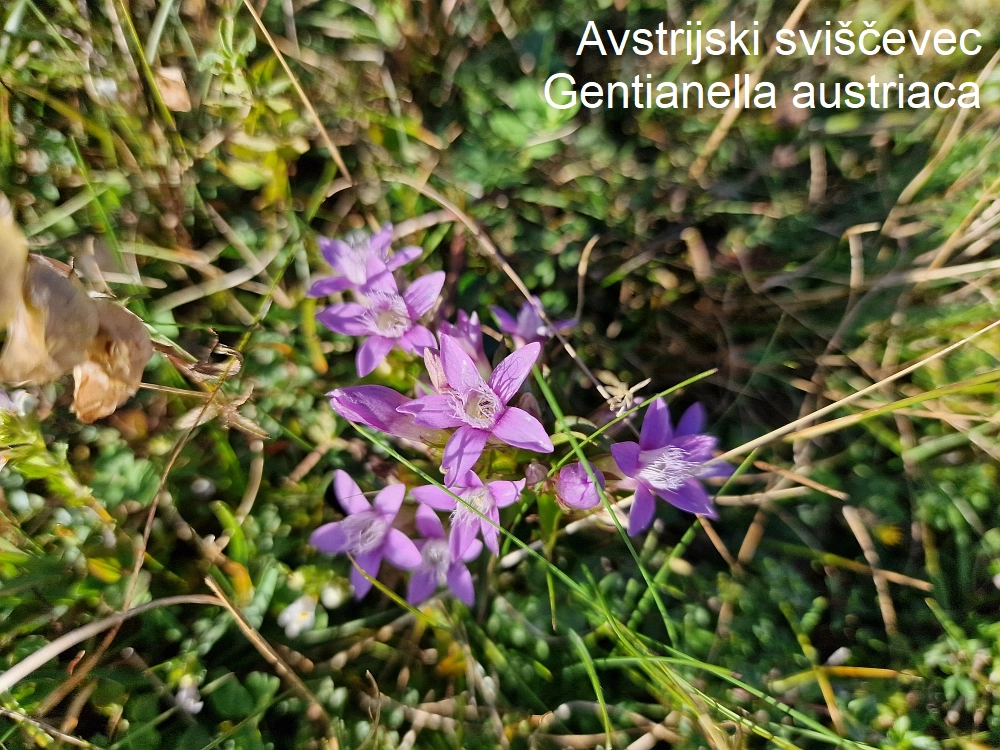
<point>188,698</point>
<point>996,580</point>
<point>299,616</point>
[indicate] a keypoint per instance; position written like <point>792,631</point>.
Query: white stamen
<point>365,531</point>
<point>665,468</point>
<point>479,498</point>
<point>388,315</point>
<point>436,559</point>
<point>480,408</point>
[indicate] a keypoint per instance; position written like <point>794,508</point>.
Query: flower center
<point>436,558</point>
<point>365,531</point>
<point>388,315</point>
<point>480,408</point>
<point>479,498</point>
<point>665,468</point>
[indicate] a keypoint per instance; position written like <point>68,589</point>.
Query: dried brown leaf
<point>113,367</point>
<point>53,322</point>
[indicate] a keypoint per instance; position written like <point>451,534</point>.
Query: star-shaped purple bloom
<point>479,408</point>
<point>529,326</point>
<point>366,532</point>
<point>575,488</point>
<point>438,567</point>
<point>668,464</point>
<point>358,260</point>
<point>388,319</point>
<point>465,523</point>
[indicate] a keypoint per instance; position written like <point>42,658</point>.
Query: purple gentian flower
<point>376,406</point>
<point>479,408</point>
<point>468,332</point>
<point>529,326</point>
<point>575,488</point>
<point>388,319</point>
<point>366,532</point>
<point>359,260</point>
<point>465,523</point>
<point>668,464</point>
<point>438,567</point>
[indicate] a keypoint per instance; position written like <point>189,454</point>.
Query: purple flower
<point>366,532</point>
<point>438,567</point>
<point>377,407</point>
<point>388,319</point>
<point>575,488</point>
<point>668,464</point>
<point>529,326</point>
<point>469,334</point>
<point>359,260</point>
<point>479,408</point>
<point>465,523</point>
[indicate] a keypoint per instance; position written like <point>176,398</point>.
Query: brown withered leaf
<point>52,324</point>
<point>114,363</point>
<point>53,327</point>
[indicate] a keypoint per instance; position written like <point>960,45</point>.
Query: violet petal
<point>463,533</point>
<point>433,411</point>
<point>656,429</point>
<point>518,428</point>
<point>347,318</point>
<point>692,421</point>
<point>460,582</point>
<point>428,523</point>
<point>463,450</point>
<point>423,293</point>
<point>370,562</point>
<point>349,495</point>
<point>511,373</point>
<point>330,538</point>
<point>473,551</point>
<point>417,339</point>
<point>329,285</point>
<point>389,500</point>
<point>698,448</point>
<point>434,497</point>
<point>377,407</point>
<point>372,352</point>
<point>504,319</point>
<point>642,511</point>
<point>506,493</point>
<point>690,497</point>
<point>423,583</point>
<point>400,550</point>
<point>459,368</point>
<point>401,257</point>
<point>626,455</point>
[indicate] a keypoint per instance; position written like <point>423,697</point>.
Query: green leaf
<point>232,700</point>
